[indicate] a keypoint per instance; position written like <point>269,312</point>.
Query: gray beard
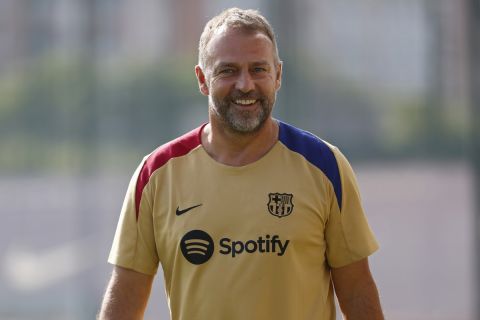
<point>242,122</point>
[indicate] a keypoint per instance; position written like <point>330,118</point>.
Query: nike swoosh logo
<point>180,212</point>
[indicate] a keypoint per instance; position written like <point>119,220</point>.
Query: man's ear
<point>202,82</point>
<point>278,75</point>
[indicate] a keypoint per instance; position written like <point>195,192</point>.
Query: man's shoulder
<point>303,141</point>
<point>160,156</point>
<point>316,151</point>
<point>175,148</point>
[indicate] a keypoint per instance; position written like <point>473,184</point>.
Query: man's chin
<point>241,121</point>
<point>246,126</point>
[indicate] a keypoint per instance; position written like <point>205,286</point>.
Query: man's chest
<point>260,214</point>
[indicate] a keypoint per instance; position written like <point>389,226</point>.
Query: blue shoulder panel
<point>315,151</point>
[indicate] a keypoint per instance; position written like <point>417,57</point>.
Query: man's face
<point>241,79</point>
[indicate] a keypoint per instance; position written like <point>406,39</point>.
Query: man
<point>250,218</point>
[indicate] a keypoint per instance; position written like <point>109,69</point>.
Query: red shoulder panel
<point>175,148</point>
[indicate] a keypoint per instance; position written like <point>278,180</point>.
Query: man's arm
<point>356,292</point>
<point>126,296</point>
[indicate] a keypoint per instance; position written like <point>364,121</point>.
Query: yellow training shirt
<point>250,242</point>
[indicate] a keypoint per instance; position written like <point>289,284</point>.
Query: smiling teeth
<point>245,102</point>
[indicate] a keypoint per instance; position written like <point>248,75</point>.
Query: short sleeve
<point>348,235</point>
<point>134,242</point>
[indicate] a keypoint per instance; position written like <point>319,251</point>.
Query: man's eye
<point>226,71</point>
<point>259,69</point>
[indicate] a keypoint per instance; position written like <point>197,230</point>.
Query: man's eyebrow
<point>260,63</point>
<point>232,64</point>
<point>223,65</point>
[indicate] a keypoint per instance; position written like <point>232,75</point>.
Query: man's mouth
<point>245,102</point>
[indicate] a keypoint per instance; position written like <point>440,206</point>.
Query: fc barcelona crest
<point>280,204</point>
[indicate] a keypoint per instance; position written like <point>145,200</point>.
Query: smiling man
<point>250,218</point>
<point>243,78</point>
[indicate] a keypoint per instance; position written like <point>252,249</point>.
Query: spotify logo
<point>197,246</point>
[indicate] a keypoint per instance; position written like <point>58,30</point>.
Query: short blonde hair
<point>248,20</point>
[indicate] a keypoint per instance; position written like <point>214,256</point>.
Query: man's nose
<point>245,82</point>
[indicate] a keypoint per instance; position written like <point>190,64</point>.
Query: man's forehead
<point>231,41</point>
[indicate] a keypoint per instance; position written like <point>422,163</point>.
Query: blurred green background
<point>88,87</point>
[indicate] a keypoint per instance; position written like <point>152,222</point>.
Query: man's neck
<point>238,149</point>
